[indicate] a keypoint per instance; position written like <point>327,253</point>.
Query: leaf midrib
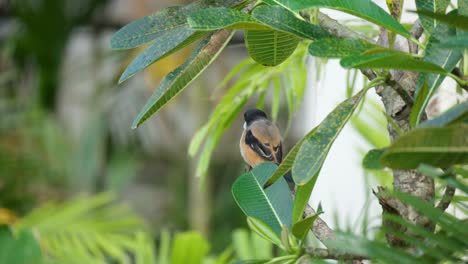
<point>268,201</point>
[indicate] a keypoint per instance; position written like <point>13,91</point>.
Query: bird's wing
<point>257,146</point>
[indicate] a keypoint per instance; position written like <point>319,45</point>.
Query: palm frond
<point>89,230</point>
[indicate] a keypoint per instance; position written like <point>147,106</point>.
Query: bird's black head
<point>254,114</point>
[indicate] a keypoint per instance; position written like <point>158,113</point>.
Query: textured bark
<point>408,181</point>
<point>397,99</point>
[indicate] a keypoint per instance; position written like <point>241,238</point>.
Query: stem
<point>463,84</point>
<point>415,41</point>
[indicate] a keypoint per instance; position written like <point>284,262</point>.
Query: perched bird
<point>261,139</point>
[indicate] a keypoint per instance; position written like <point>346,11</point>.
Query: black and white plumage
<point>261,139</point>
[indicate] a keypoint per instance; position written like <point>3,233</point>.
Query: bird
<point>261,140</point>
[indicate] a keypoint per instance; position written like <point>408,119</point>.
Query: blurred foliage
<point>99,230</point>
<point>43,30</point>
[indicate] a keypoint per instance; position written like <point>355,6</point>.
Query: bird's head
<point>252,115</point>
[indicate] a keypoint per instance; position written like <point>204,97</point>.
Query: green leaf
<point>446,221</point>
<point>161,24</point>
<point>302,228</point>
<point>222,17</point>
<point>339,47</point>
<point>457,113</point>
<point>372,159</point>
<point>315,147</point>
<point>452,19</point>
<point>177,80</point>
<point>270,47</point>
<point>390,60</point>
<point>150,27</point>
<point>436,146</point>
<point>20,249</point>
<point>189,247</point>
<point>373,249</point>
<point>285,242</point>
<point>437,173</point>
<point>365,9</point>
<point>166,44</point>
<point>432,6</point>
<point>445,244</point>
<point>281,19</point>
<point>287,162</point>
<point>164,247</point>
<point>263,230</point>
<point>445,58</point>
<point>455,42</point>
<point>272,206</point>
<point>109,229</point>
<point>301,199</point>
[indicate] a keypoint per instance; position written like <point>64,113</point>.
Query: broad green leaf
<point>433,6</point>
<point>452,19</point>
<point>456,42</point>
<point>149,28</point>
<point>20,249</point>
<point>270,47</point>
<point>222,17</point>
<point>272,206</point>
<point>189,247</point>
<point>167,43</point>
<point>287,162</point>
<point>263,230</point>
<point>436,146</point>
<point>177,80</point>
<point>301,199</point>
<point>372,159</point>
<point>365,9</point>
<point>339,47</point>
<point>390,60</point>
<point>457,113</point>
<point>168,29</point>
<point>445,58</point>
<point>281,19</point>
<point>159,24</point>
<point>315,147</point>
<point>302,228</point>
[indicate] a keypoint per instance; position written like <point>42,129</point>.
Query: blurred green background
<point>65,131</point>
<point>65,123</point>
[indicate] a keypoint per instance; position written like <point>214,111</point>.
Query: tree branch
<point>322,253</point>
<point>446,198</point>
<point>416,32</point>
<point>320,228</point>
<point>338,30</point>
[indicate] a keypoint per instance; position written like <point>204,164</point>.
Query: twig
<point>401,92</point>
<point>416,32</point>
<point>446,198</point>
<point>320,228</point>
<point>322,253</point>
